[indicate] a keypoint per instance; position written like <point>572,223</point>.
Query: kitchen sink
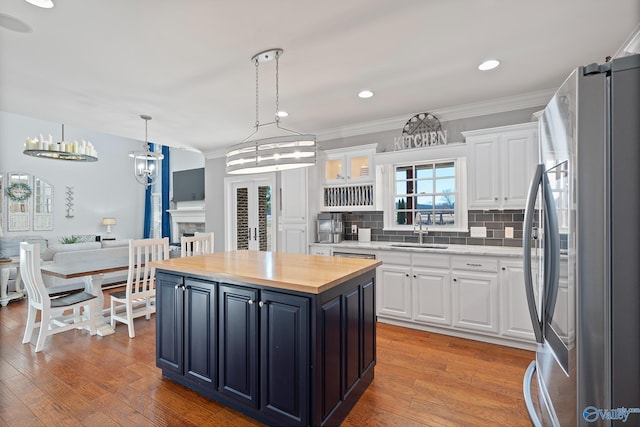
<point>418,245</point>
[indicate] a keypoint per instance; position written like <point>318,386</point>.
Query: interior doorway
<point>250,215</point>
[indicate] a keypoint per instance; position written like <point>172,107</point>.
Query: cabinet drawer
<point>431,260</point>
<point>395,257</point>
<point>474,264</point>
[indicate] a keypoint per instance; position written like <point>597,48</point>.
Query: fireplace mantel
<point>184,215</point>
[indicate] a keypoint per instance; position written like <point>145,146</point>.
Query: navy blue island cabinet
<point>281,356</point>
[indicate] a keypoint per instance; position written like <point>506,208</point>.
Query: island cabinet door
<point>200,358</point>
<point>169,325</point>
<point>238,341</point>
<point>284,357</point>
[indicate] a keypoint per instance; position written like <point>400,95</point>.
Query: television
<point>188,185</point>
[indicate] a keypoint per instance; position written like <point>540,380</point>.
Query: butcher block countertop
<point>296,272</point>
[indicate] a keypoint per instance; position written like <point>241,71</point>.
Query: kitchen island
<point>287,339</point>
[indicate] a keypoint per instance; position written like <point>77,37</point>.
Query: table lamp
<point>108,222</point>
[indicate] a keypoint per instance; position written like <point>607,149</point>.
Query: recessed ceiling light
<point>47,4</point>
<point>365,94</point>
<point>488,65</point>
<point>282,114</point>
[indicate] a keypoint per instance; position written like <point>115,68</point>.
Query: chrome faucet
<point>418,220</point>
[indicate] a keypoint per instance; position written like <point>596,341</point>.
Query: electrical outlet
<point>354,229</point>
<point>508,232</point>
<point>478,232</point>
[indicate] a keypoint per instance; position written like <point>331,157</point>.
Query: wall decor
<point>19,191</point>
<point>68,202</point>
<point>421,130</point>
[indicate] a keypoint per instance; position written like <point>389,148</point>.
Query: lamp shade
<point>272,154</point>
<point>108,221</point>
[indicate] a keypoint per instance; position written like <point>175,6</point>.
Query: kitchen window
<point>435,189</point>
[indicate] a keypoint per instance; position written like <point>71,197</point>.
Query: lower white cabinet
<point>516,321</point>
<point>394,290</point>
<point>294,238</point>
<point>475,301</point>
<point>480,297</point>
<point>431,295</point>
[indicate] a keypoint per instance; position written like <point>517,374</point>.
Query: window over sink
<point>434,188</point>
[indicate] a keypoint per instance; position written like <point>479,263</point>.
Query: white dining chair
<point>138,298</point>
<point>53,319</point>
<point>199,244</point>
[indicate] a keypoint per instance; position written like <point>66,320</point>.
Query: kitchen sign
<point>422,130</point>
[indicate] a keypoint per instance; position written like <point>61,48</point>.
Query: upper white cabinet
<point>348,177</point>
<point>349,165</point>
<point>501,162</point>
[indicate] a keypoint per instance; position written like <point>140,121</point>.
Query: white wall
<point>106,188</point>
<point>214,174</point>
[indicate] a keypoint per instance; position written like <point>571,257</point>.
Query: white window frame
<point>387,174</point>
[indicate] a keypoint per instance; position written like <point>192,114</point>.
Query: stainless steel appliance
<point>329,226</point>
<point>582,251</point>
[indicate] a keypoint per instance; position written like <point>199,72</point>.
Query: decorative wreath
<point>19,191</point>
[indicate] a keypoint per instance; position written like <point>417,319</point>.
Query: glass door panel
<point>252,218</point>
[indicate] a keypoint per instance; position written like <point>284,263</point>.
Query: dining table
<point>92,273</point>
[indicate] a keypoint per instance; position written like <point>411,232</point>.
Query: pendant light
<point>287,150</point>
<point>146,163</point>
<point>72,151</point>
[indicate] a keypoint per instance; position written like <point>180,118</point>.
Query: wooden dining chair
<point>200,244</point>
<point>53,319</point>
<point>138,298</point>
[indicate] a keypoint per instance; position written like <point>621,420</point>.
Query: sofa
<point>84,251</point>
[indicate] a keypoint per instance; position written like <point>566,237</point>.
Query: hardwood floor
<point>421,379</point>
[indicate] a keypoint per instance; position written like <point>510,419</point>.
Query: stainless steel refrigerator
<point>582,251</point>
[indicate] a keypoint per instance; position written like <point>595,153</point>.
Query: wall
<point>106,188</point>
<point>214,174</point>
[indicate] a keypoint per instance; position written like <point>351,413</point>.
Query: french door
<point>249,213</point>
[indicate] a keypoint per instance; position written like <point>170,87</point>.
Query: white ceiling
<point>99,64</point>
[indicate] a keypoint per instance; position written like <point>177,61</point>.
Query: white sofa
<point>74,252</point>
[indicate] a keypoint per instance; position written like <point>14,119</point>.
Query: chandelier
<point>146,163</point>
<point>73,151</point>
<point>287,150</point>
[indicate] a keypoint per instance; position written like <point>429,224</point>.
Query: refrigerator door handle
<point>552,250</point>
<point>526,238</point>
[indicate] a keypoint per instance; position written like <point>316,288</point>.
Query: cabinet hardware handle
<point>474,265</point>
<point>414,276</point>
<point>505,198</point>
<point>455,280</point>
<point>495,198</point>
<point>177,287</point>
<point>260,304</point>
<point>407,274</point>
<point>250,302</point>
<point>504,268</point>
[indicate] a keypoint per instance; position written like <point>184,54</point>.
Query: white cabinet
<point>431,295</point>
<point>394,290</point>
<point>293,212</point>
<point>516,321</point>
<point>414,287</point>
<point>349,165</point>
<point>501,162</point>
<point>475,293</point>
<point>348,177</point>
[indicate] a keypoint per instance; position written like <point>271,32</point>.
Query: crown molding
<point>631,45</point>
<point>499,105</point>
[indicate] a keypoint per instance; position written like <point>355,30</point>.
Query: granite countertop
<point>297,272</point>
<point>435,248</point>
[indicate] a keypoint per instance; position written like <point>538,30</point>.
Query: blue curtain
<point>166,180</point>
<point>148,213</point>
